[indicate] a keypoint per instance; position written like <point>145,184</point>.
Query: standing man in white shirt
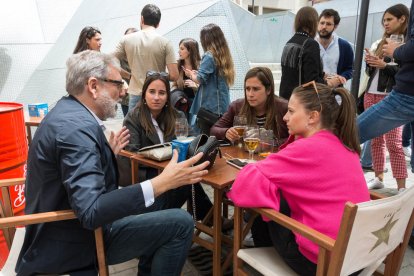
<point>146,50</point>
<point>336,53</point>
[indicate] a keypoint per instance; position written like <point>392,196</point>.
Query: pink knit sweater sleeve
<point>253,189</point>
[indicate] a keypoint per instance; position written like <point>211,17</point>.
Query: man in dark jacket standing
<point>72,166</point>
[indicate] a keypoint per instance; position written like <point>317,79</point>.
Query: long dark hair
<point>194,52</point>
<point>398,11</point>
<point>306,20</point>
<point>166,119</point>
<point>86,33</point>
<point>265,76</point>
<point>338,112</point>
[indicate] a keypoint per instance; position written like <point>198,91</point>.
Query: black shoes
<point>370,169</point>
<point>367,169</point>
<point>411,242</point>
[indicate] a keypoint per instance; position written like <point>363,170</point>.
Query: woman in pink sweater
<point>311,178</point>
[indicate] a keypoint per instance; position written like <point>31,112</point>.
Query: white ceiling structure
<point>37,36</point>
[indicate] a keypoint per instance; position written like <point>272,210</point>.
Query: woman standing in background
<point>184,89</point>
<point>301,61</point>
<point>90,38</point>
<point>381,81</point>
<point>215,75</point>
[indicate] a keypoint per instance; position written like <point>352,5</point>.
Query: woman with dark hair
<point>152,122</point>
<point>260,106</point>
<point>381,81</point>
<point>90,38</point>
<point>310,178</point>
<point>184,89</point>
<point>301,61</point>
<point>215,75</point>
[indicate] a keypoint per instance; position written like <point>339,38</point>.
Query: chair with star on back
<point>14,234</point>
<point>371,233</point>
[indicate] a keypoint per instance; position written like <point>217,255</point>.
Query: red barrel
<point>13,156</point>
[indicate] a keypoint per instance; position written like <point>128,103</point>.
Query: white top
<point>158,129</point>
<point>330,55</point>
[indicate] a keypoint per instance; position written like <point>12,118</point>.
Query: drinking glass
<point>239,124</point>
<point>251,139</point>
<point>266,142</point>
<point>181,128</point>
<point>399,38</point>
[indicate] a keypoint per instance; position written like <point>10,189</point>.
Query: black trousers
<point>283,240</point>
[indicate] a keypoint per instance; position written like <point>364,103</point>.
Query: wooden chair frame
<point>8,222</point>
<point>331,252</point>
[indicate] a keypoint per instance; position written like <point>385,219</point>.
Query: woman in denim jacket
<point>215,75</point>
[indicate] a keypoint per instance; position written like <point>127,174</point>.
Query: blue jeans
<point>395,110</point>
<point>408,139</point>
<point>366,158</point>
<point>160,240</point>
<point>133,100</point>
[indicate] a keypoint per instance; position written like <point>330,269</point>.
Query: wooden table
<point>31,122</point>
<point>219,177</point>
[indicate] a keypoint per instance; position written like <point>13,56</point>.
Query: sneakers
<point>401,190</point>
<point>375,183</point>
<point>407,151</point>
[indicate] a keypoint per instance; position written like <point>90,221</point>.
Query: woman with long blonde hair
<point>215,75</point>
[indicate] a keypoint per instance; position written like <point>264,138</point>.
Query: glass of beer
<point>251,139</point>
<point>239,124</point>
<point>266,142</point>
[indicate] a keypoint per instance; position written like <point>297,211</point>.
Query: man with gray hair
<point>72,166</point>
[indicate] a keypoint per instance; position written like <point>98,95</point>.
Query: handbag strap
<point>300,61</point>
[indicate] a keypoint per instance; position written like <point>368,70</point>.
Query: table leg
<point>218,197</point>
<point>237,238</point>
<point>134,171</point>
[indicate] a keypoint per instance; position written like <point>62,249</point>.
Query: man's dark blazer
<point>71,166</point>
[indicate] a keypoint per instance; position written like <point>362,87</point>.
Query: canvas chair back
<point>378,229</point>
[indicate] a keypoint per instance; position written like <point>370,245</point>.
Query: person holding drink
<point>260,107</point>
<point>184,89</point>
<point>153,122</point>
<point>310,178</point>
<point>381,71</point>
